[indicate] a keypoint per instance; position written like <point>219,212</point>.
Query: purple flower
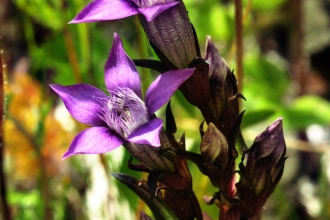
<point>165,22</point>
<point>122,115</point>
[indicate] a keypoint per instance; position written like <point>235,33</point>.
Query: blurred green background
<point>286,73</point>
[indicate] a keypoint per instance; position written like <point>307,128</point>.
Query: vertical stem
<point>38,142</point>
<point>106,168</point>
<point>105,165</point>
<point>143,53</point>
<point>297,41</point>
<point>245,17</point>
<point>45,191</point>
<point>4,208</point>
<point>239,43</point>
<point>247,11</point>
<point>72,54</point>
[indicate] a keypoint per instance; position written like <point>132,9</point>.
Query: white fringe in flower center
<point>124,111</point>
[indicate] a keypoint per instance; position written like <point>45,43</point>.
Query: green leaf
<point>156,205</point>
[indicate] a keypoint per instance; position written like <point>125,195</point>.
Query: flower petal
<point>120,70</point>
<point>151,12</point>
<point>81,102</point>
<point>147,133</point>
<point>95,140</point>
<point>162,89</point>
<point>100,10</point>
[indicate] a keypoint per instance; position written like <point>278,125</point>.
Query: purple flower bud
<point>263,169</point>
<point>223,95</point>
<point>218,159</point>
<point>166,23</point>
<point>214,145</point>
<point>171,33</point>
<point>223,86</point>
<point>266,157</point>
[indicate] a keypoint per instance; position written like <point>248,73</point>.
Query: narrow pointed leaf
<point>160,210</point>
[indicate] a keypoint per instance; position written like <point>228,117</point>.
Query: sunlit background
<point>286,73</point>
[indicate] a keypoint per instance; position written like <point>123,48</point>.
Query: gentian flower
<point>165,22</point>
<point>120,116</point>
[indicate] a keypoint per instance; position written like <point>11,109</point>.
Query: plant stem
<point>298,58</point>
<point>143,53</point>
<point>4,208</point>
<point>72,54</point>
<point>239,43</point>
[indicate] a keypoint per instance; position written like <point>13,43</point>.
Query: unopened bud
<point>171,34</point>
<point>214,145</point>
<point>222,82</point>
<point>263,169</point>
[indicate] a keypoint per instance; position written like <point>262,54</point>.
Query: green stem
<point>71,51</point>
<point>141,42</point>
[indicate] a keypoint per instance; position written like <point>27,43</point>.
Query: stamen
<point>123,111</point>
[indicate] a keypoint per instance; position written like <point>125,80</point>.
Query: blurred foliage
<point>41,186</point>
<point>264,6</point>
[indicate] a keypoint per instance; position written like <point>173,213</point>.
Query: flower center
<point>124,111</point>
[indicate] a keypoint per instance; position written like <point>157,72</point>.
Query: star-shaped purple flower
<point>122,115</point>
